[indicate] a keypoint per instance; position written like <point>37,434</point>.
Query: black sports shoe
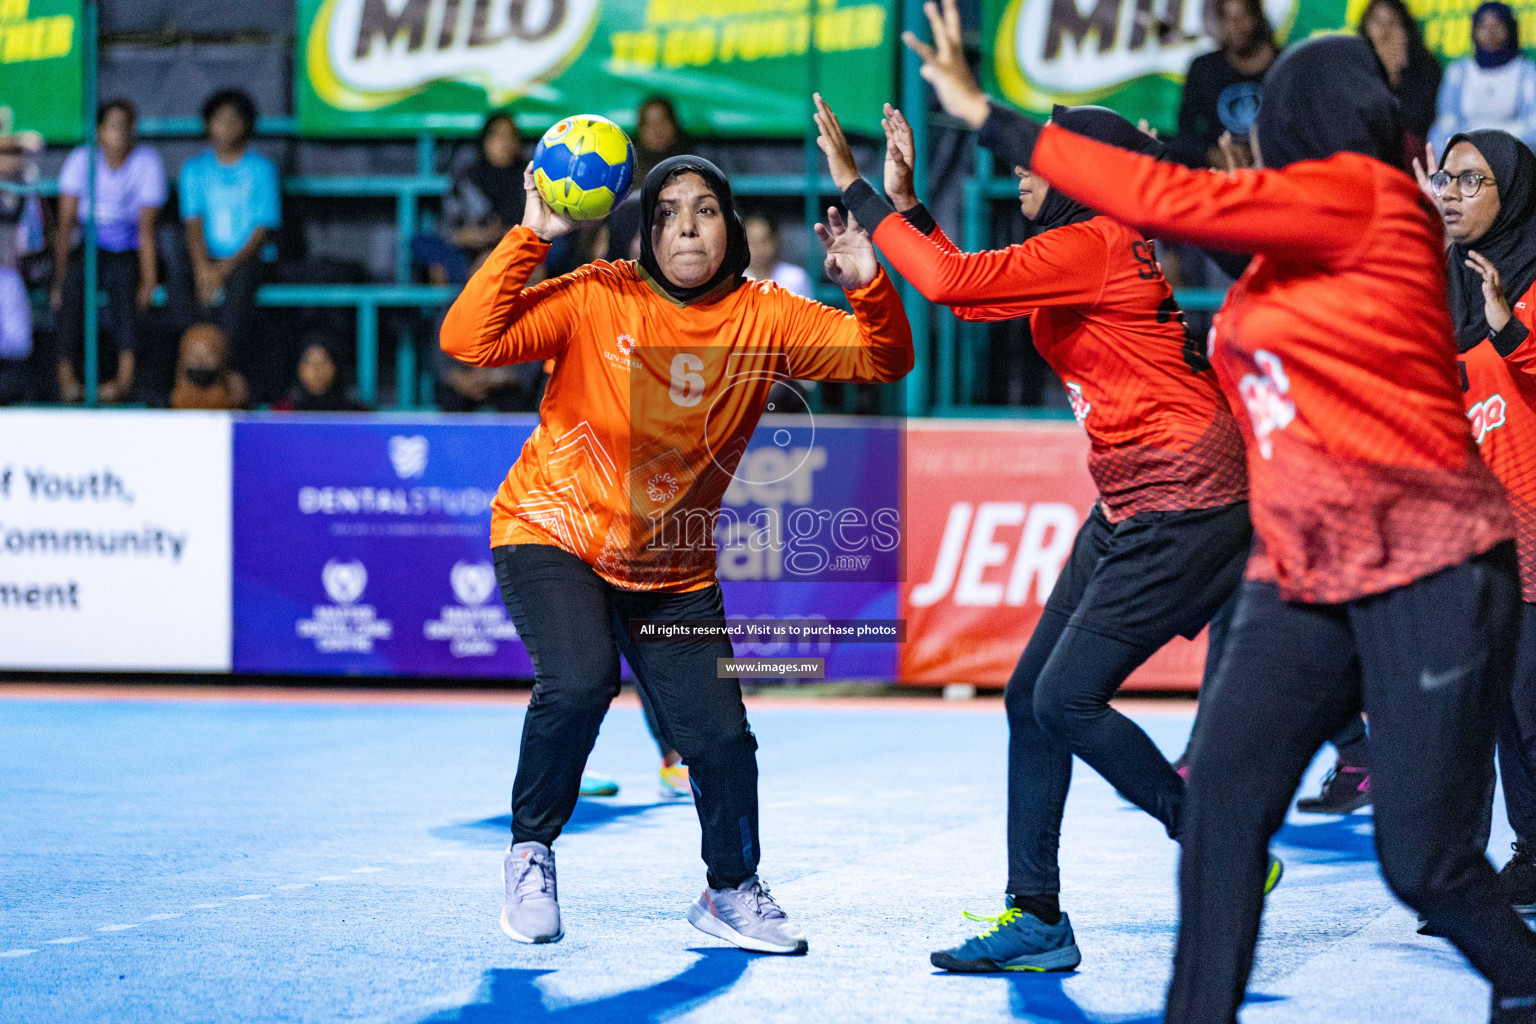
<point>1346,789</point>
<point>1518,878</point>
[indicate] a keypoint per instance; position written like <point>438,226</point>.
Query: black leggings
<point>575,625</point>
<point>1430,664</point>
<point>1127,589</point>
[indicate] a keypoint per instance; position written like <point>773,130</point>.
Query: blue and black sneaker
<point>1014,941</point>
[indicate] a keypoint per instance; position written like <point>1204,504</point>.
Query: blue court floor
<point>224,860</point>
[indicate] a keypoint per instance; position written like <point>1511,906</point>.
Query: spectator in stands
<point>1413,73</point>
<point>515,388</point>
<point>486,198</point>
<point>130,189</point>
<point>763,242</point>
<point>1221,90</point>
<point>658,135</point>
<point>230,206</point>
<point>1494,88</point>
<point>20,216</point>
<point>204,379</point>
<point>320,387</point>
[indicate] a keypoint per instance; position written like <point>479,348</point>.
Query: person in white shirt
<point>130,189</point>
<point>1494,88</point>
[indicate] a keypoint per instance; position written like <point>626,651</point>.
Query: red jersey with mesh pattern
<point>1501,407</point>
<point>1337,342</point>
<point>1102,315</point>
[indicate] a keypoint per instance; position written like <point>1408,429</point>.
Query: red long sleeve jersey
<point>1102,315</point>
<point>1336,340</point>
<point>1500,398</point>
<point>651,404</point>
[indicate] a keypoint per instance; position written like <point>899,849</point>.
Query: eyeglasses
<point>1468,183</point>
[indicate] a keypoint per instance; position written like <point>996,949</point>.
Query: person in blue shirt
<point>230,207</point>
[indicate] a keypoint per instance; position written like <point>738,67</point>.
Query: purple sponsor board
<point>361,546</point>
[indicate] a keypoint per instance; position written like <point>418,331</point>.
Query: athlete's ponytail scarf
<point>1102,125</point>
<point>733,267</point>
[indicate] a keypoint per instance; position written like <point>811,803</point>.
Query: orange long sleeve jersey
<point>1102,315</point>
<point>651,404</point>
<point>1337,341</point>
<point>1499,380</point>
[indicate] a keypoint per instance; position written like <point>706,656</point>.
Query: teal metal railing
<point>950,354</point>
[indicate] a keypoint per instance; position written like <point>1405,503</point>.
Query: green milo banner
<point>731,67</point>
<point>1131,54</point>
<point>41,75</point>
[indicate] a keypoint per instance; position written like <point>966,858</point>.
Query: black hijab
<point>1327,96</point>
<point>733,267</point>
<point>1510,50</point>
<point>1510,242</point>
<point>1102,125</point>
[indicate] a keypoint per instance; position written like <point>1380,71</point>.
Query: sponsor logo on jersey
<point>624,357</point>
<point>1266,394</point>
<point>1486,415</point>
<point>1081,407</point>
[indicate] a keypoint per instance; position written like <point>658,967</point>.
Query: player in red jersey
<point>1383,572</point>
<point>1486,190</point>
<point>1163,548</point>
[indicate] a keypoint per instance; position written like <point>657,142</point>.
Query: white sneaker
<point>748,917</point>
<point>530,908</point>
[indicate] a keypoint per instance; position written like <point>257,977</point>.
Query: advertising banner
<point>1131,55</point>
<point>41,70</point>
<point>114,541</point>
<point>812,526</point>
<point>991,517</point>
<point>362,546</point>
<point>745,67</point>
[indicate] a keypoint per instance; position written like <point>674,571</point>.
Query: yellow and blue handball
<point>584,166</point>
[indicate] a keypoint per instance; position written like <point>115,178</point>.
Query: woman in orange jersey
<point>606,520</point>
<point>1486,190</point>
<point>1383,571</point>
<point>1162,549</point>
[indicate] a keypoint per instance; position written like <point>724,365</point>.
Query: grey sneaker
<point>530,910</point>
<point>748,917</point>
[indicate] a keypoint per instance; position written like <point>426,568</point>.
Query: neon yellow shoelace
<point>1007,917</point>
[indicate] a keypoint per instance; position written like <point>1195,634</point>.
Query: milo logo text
<point>365,54</point>
<point>1077,48</point>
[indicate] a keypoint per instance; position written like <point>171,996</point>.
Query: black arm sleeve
<point>867,206</point>
<point>1510,337</point>
<point>920,218</point>
<point>1010,136</point>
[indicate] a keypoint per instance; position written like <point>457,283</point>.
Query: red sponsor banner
<point>992,510</point>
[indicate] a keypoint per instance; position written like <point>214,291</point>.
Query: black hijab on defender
<point>1102,125</point>
<point>737,255</point>
<point>1329,96</point>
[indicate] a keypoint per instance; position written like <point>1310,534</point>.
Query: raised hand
<point>538,217</point>
<point>900,158</point>
<point>835,145</point>
<point>944,65</point>
<point>1495,305</point>
<point>851,261</point>
<point>1421,173</point>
